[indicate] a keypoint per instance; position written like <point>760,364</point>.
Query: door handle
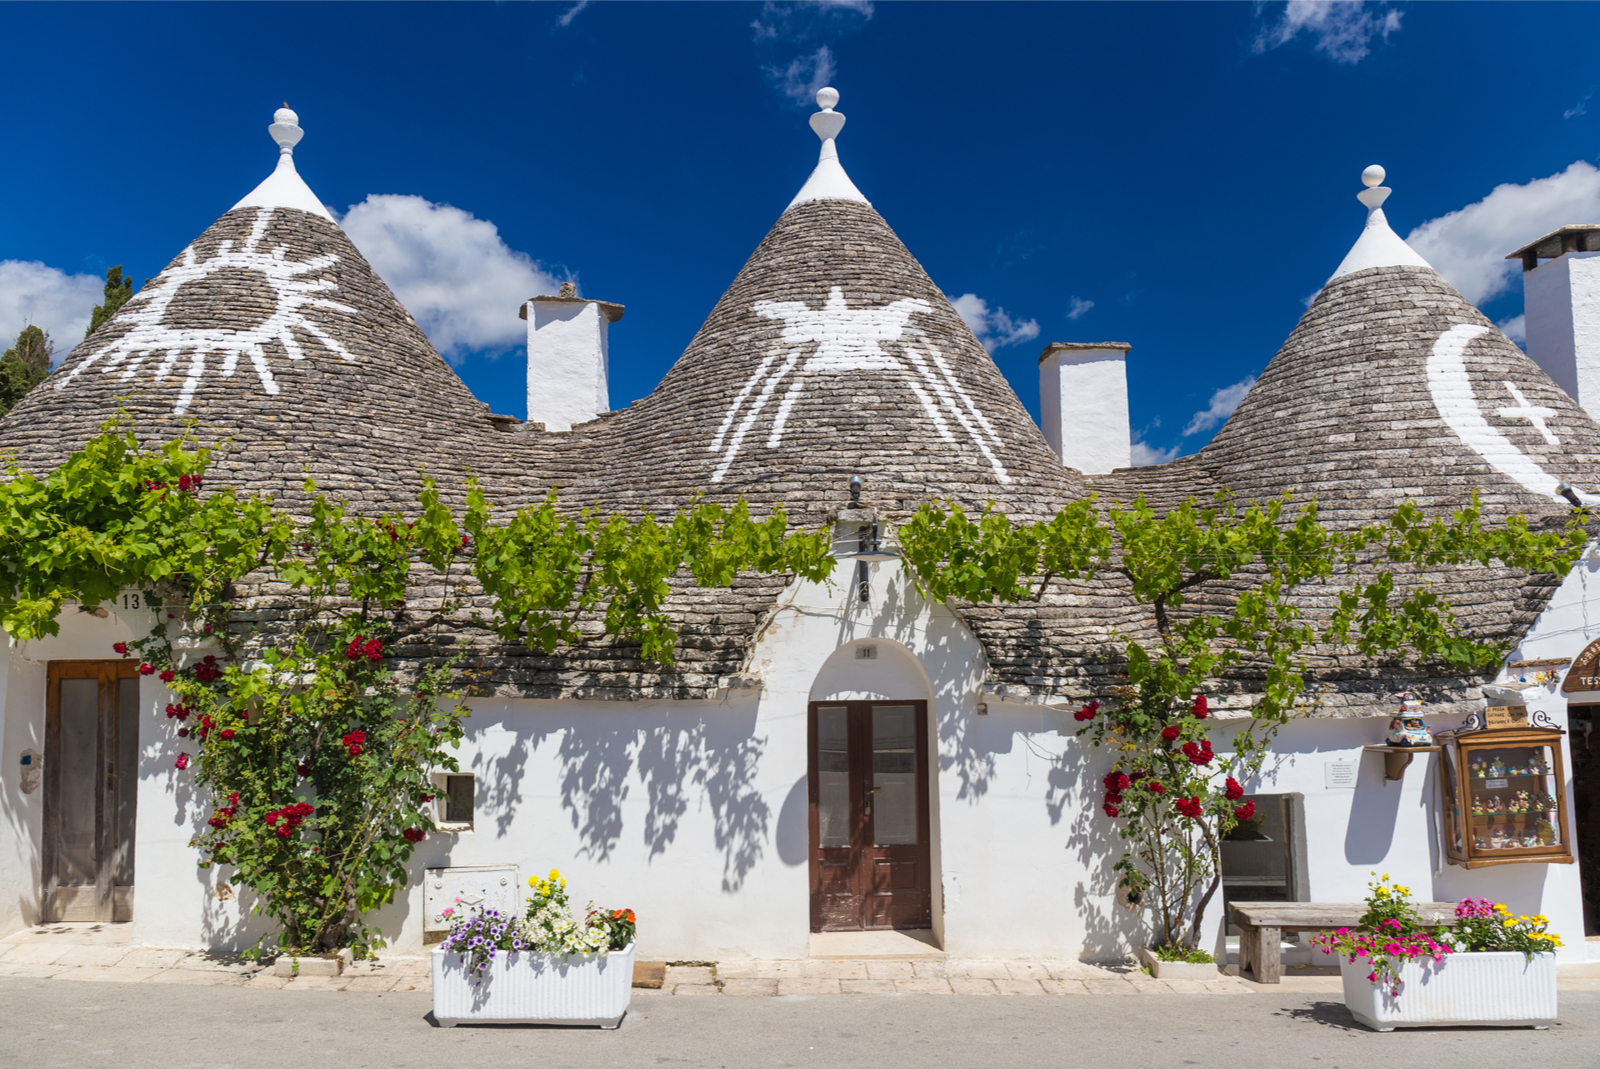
<point>867,791</point>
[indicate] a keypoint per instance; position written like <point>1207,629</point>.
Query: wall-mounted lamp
<point>1567,491</point>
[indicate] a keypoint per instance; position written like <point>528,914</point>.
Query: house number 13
<point>130,601</point>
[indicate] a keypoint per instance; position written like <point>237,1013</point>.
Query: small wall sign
<point>1338,775</point>
<point>1506,716</point>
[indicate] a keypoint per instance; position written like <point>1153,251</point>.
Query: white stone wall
<point>694,813</point>
<point>1083,408</point>
<point>568,363</point>
<point>1561,299</point>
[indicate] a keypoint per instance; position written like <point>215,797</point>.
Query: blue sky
<point>1179,177</point>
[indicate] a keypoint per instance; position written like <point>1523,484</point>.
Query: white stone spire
<point>284,188</point>
<point>828,181</point>
<point>1378,245</point>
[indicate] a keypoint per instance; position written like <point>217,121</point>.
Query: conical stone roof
<point>273,331</point>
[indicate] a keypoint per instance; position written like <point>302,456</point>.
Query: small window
<point>1259,859</point>
<point>458,798</point>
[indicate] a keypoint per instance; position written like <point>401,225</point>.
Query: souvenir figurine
<point>1477,768</point>
<point>1547,834</point>
<point>1477,807</point>
<point>1496,805</point>
<point>1496,769</point>
<point>1409,731</point>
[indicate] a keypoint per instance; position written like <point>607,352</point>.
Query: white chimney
<point>1083,402</point>
<point>1561,303</point>
<point>568,358</point>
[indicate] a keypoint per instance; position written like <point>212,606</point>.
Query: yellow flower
<point>1386,875</point>
<point>555,874</point>
<point>1523,917</point>
<point>533,881</point>
<point>1509,921</point>
<point>1540,918</point>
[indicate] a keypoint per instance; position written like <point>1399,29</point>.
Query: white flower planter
<point>1500,988</point>
<point>528,988</point>
<point>1177,970</point>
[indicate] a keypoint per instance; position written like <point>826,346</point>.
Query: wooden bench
<point>1262,924</point>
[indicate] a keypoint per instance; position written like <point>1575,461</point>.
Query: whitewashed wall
<point>694,813</point>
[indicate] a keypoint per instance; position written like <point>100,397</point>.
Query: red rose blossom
<point>1199,754</point>
<point>1233,792</point>
<point>302,769</point>
<point>166,675</point>
<point>1113,799</point>
<point>1190,807</point>
<point>120,647</point>
<point>182,761</point>
<point>1170,732</point>
<point>1157,787</point>
<point>1111,810</point>
<point>1087,712</point>
<point>1200,707</point>
<point>1116,781</point>
<point>227,733</point>
<point>147,669</point>
<point>413,835</point>
<point>1246,811</point>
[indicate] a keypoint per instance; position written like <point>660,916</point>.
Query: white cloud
<point>571,13</point>
<point>1146,455</point>
<point>804,19</point>
<point>801,79</point>
<point>1223,402</point>
<point>994,329</point>
<point>1515,328</point>
<point>1468,246</point>
<point>43,296</point>
<point>452,271</point>
<point>1580,108</point>
<point>1343,29</point>
<point>1079,307</point>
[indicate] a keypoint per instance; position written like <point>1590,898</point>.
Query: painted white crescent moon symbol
<point>1451,388</point>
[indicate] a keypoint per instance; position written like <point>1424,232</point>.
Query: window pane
<point>1513,804</point>
<point>833,776</point>
<point>127,775</point>
<point>894,775</point>
<point>1258,855</point>
<point>458,799</point>
<point>80,729</point>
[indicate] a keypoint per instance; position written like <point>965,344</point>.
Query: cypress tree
<point>24,366</point>
<point>118,290</point>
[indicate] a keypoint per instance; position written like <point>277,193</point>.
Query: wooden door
<point>91,779</point>
<point>868,788</point>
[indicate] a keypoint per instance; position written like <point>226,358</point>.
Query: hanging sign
<point>1585,671</point>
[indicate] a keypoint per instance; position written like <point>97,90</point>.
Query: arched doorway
<point>868,792</point>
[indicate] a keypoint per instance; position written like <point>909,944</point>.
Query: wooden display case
<point>1504,797</point>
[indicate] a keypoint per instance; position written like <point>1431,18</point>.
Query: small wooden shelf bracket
<point>1396,759</point>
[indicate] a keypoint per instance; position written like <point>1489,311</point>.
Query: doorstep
<point>898,945</point>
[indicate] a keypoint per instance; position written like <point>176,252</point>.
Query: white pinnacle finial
<point>285,130</point>
<point>828,181</point>
<point>1375,193</point>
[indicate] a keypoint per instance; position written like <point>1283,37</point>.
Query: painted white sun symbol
<point>151,338</point>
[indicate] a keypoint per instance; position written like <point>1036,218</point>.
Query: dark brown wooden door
<point>91,781</point>
<point>868,787</point>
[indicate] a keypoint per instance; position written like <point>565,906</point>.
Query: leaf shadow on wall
<point>680,761</point>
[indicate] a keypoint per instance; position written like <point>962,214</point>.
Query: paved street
<point>132,1026</point>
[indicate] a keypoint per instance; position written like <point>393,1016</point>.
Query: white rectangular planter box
<point>1500,988</point>
<point>1177,970</point>
<point>528,988</point>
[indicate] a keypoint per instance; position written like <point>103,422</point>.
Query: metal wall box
<point>490,886</point>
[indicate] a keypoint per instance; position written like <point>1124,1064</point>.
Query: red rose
<point>1200,707</point>
<point>166,675</point>
<point>147,669</point>
<point>1233,791</point>
<point>1116,782</point>
<point>1111,810</point>
<point>373,650</point>
<point>302,769</point>
<point>1199,754</point>
<point>227,734</point>
<point>120,647</point>
<point>1246,811</point>
<point>1190,807</point>
<point>183,761</point>
<point>1087,712</point>
<point>183,733</point>
<point>413,835</point>
<point>284,831</point>
<point>355,751</point>
<point>1156,787</point>
<point>1170,732</point>
<point>233,799</point>
<point>1113,799</point>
